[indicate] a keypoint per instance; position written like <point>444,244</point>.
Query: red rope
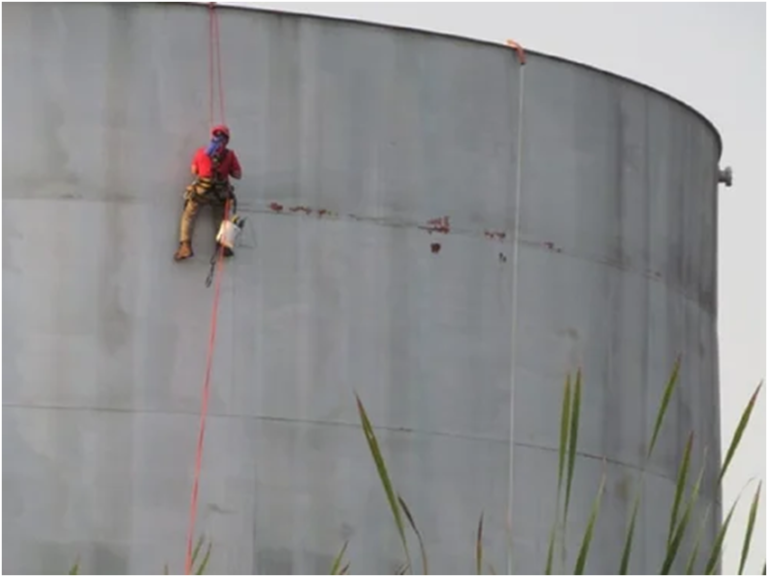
<point>214,53</point>
<point>214,311</point>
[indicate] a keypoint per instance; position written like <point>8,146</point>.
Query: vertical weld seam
<point>513,319</point>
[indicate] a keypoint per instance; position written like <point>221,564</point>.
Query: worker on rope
<point>212,166</point>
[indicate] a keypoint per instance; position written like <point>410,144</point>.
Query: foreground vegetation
<point>699,560</point>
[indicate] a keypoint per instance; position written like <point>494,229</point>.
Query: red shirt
<point>202,165</point>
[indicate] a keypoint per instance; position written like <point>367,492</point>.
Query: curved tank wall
<point>385,130</point>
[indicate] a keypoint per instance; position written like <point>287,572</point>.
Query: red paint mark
<point>276,207</point>
<point>442,225</point>
<point>435,247</point>
<point>321,212</point>
<point>495,234</point>
<point>303,209</point>
<point>551,246</point>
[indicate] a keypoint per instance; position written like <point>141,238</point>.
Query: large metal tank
<point>457,340</point>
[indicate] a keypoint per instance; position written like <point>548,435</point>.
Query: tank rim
<point>372,24</point>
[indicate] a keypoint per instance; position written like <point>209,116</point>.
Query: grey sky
<point>711,56</point>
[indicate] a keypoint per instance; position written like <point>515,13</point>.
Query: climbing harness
<point>214,53</point>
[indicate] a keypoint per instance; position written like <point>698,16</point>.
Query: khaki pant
<point>192,203</point>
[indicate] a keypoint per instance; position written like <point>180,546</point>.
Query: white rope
<point>513,343</point>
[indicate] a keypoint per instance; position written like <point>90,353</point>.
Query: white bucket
<point>228,233</point>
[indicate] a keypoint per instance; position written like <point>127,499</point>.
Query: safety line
<point>513,313</point>
<point>213,54</point>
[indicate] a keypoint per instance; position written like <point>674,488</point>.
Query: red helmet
<point>220,129</point>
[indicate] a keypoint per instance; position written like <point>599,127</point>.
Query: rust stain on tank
<point>322,212</point>
<point>276,206</point>
<point>435,246</point>
<point>441,225</point>
<point>493,234</point>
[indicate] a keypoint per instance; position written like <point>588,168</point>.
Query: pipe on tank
<point>725,176</point>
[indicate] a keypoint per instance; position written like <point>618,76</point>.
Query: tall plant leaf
<point>691,565</point>
<point>660,415</point>
<point>750,528</point>
<point>206,558</point>
<point>337,561</point>
<point>565,416</point>
<point>677,539</point>
<point>682,477</point>
<point>717,546</point>
<point>668,390</point>
<point>479,547</point>
<point>573,438</point>
<point>408,515</point>
<point>581,560</point>
<point>373,446</point>
<point>739,432</point>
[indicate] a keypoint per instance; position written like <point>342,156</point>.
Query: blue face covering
<point>216,146</point>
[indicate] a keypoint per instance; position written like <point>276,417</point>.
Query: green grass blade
<point>479,547</point>
<point>682,477</point>
<point>668,390</point>
<point>691,565</point>
<point>750,528</point>
<point>581,560</point>
<point>674,545</point>
<point>630,537</point>
<point>204,562</point>
<point>573,438</point>
<point>564,420</point>
<point>75,569</point>
<point>551,549</point>
<point>344,570</point>
<point>718,544</point>
<point>739,432</point>
<point>373,445</point>
<point>408,515</point>
<point>196,550</point>
<point>763,567</point>
<point>661,413</point>
<point>337,561</point>
<point>492,569</point>
<point>565,416</point>
<point>403,568</point>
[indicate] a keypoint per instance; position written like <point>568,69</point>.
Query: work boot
<point>184,251</point>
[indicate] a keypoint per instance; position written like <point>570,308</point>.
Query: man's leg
<point>187,225</point>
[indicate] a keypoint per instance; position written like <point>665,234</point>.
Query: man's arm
<point>195,167</point>
<point>235,171</point>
